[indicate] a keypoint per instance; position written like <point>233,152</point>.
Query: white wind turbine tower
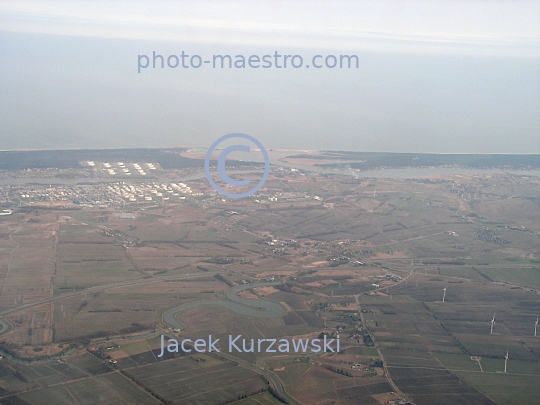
<point>505,361</point>
<point>535,326</point>
<point>444,294</point>
<point>492,323</point>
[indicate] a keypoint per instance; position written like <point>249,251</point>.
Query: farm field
<point>260,399</point>
<point>82,379</point>
<point>84,293</point>
<point>194,380</point>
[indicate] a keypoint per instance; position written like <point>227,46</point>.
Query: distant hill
<point>67,159</point>
<point>370,160</point>
<point>171,159</point>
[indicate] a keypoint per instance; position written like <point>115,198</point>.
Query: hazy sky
<point>433,76</point>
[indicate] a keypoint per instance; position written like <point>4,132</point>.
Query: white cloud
<point>473,27</point>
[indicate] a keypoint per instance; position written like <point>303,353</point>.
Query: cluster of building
<point>390,277</point>
<point>147,192</point>
<point>121,168</point>
<point>337,252</point>
<point>402,401</point>
<point>99,194</point>
<point>360,366</point>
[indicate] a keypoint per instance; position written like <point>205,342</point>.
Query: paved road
<point>385,367</point>
<point>260,308</point>
<point>257,308</point>
<point>261,363</point>
<point>271,377</point>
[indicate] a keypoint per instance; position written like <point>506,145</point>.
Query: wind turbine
<point>492,323</point>
<point>535,326</point>
<point>444,294</point>
<point>505,361</point>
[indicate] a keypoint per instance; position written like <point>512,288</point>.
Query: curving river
<point>258,308</point>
